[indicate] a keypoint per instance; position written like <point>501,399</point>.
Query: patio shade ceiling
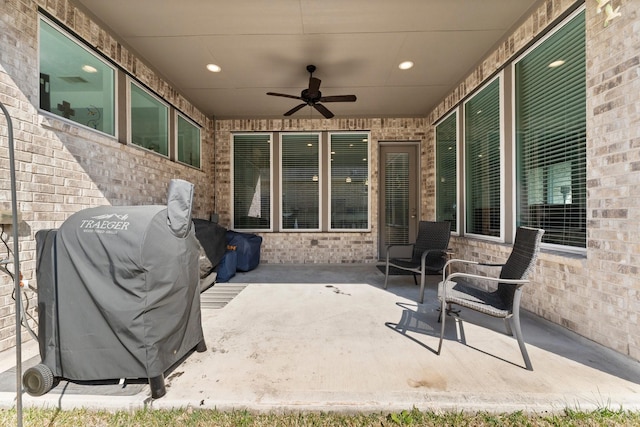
<point>264,46</point>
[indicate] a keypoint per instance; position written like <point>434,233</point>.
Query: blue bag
<point>226,269</point>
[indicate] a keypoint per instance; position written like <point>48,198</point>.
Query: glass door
<point>399,185</point>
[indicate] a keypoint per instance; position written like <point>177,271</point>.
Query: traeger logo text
<point>108,223</point>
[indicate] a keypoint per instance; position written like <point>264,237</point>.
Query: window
<point>149,121</point>
<point>483,161</point>
<point>550,123</point>
<point>188,142</point>
<point>251,181</point>
<point>349,177</point>
<point>300,181</point>
<point>74,83</point>
<point>320,181</point>
<point>447,170</point>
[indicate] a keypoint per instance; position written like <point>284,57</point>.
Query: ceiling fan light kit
<point>313,97</point>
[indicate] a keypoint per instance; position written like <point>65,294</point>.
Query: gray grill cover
<point>126,301</point>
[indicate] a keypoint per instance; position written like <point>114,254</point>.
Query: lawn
<point>197,417</point>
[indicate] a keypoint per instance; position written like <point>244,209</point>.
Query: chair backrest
<point>522,259</point>
<point>432,235</point>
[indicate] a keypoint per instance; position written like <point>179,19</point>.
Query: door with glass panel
<point>399,184</point>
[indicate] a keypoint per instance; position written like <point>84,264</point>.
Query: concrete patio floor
<point>330,338</point>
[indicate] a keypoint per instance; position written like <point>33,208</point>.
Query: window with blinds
<point>188,142</point>
<point>550,116</point>
<point>300,181</point>
<point>251,181</point>
<point>482,161</point>
<point>349,178</point>
<point>447,170</point>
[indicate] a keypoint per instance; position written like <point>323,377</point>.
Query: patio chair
<point>428,252</point>
<point>503,300</point>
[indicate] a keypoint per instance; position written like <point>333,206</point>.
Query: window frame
<point>281,182</point>
<point>457,112</point>
<point>514,157</point>
<point>81,44</point>
<point>271,183</point>
<point>178,115</point>
<point>463,144</point>
<point>130,82</point>
<point>330,182</point>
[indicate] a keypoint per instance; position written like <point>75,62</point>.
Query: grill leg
<point>157,386</point>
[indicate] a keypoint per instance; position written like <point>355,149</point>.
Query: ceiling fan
<point>312,96</point>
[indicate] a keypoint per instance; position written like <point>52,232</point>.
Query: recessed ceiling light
<point>89,69</point>
<point>405,65</point>
<point>557,63</point>
<point>214,68</point>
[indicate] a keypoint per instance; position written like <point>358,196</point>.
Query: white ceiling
<point>265,46</point>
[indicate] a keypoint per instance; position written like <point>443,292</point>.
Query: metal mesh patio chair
<point>428,254</point>
<point>503,300</point>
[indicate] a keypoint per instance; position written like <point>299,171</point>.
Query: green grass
<point>207,418</point>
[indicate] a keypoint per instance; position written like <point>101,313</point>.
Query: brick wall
<point>597,295</point>
<point>307,247</point>
<point>63,168</point>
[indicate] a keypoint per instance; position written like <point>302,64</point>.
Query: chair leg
<point>386,274</point>
<point>421,286</point>
<point>443,309</point>
<point>516,326</point>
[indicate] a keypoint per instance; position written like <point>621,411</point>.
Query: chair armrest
<point>442,290</point>
<point>488,278</point>
<point>464,261</point>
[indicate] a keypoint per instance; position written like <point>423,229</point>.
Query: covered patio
<point>330,338</point>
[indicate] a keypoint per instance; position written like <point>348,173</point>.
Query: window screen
<point>550,95</point>
<point>482,154</point>
<point>252,181</point>
<point>446,170</point>
<point>300,178</point>
<point>349,180</point>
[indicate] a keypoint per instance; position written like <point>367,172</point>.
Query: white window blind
<point>349,154</point>
<point>252,181</point>
<point>482,161</point>
<point>447,170</point>
<point>300,180</point>
<point>550,95</point>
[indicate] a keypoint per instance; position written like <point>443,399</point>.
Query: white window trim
<point>546,246</point>
<point>328,150</point>
<point>233,192</point>
<point>499,238</point>
<point>99,58</point>
<point>129,118</point>
<point>320,185</point>
<point>457,110</point>
<point>176,146</point>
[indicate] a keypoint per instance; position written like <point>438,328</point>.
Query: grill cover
<point>118,292</point>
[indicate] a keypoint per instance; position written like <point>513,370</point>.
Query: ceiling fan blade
<point>339,98</point>
<point>294,109</point>
<point>323,110</point>
<point>314,85</point>
<point>283,95</point>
